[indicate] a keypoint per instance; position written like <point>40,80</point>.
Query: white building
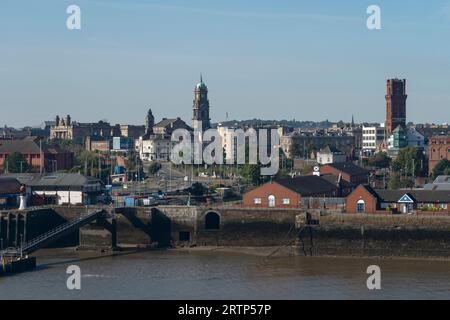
<point>61,188</point>
<point>154,147</point>
<point>372,136</point>
<point>329,154</point>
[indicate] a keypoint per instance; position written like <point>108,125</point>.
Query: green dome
<point>201,85</point>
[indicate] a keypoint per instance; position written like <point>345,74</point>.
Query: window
<point>257,201</point>
<point>271,201</point>
<point>184,236</point>
<point>286,201</point>
<point>361,206</point>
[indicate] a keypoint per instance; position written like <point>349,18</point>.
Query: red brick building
<point>364,199</point>
<point>52,158</point>
<point>348,171</point>
<point>287,193</point>
<point>438,149</point>
<point>395,104</point>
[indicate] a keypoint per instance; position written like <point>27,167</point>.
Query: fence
<point>323,203</point>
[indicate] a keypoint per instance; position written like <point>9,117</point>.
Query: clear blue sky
<point>308,60</point>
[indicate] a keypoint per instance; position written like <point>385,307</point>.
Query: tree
<point>154,168</point>
<point>380,160</point>
<point>252,173</point>
<point>132,161</point>
<point>396,182</point>
<point>410,160</point>
<point>198,189</point>
<point>88,161</point>
<point>442,168</point>
<point>16,163</point>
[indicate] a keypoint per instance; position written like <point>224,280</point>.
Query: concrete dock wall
<point>311,234</point>
<point>376,235</point>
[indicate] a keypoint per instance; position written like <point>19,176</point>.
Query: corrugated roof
<point>442,179</point>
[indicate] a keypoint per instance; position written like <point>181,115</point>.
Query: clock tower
<point>200,109</point>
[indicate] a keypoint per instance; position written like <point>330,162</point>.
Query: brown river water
<point>219,275</point>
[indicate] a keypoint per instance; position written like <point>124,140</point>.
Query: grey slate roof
<point>330,150</point>
<point>418,195</point>
<point>9,186</point>
<point>308,185</point>
<point>55,180</point>
<point>334,180</point>
<point>349,168</point>
<point>24,146</point>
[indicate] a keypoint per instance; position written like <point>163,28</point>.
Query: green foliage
<point>252,173</point>
<point>410,160</point>
<point>65,145</point>
<point>380,160</point>
<point>397,182</point>
<point>442,168</point>
<point>131,160</point>
<point>16,163</point>
<point>307,170</point>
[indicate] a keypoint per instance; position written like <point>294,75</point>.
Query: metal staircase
<point>54,234</point>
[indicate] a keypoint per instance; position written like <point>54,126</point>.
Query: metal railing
<point>33,244</point>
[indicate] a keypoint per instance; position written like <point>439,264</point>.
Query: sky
<point>267,59</point>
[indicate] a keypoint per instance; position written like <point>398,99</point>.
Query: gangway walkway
<point>45,239</point>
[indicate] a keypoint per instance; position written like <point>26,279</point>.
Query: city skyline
<point>271,61</point>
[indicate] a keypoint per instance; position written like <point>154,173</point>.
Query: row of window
<point>271,201</point>
<point>440,142</point>
<point>434,150</point>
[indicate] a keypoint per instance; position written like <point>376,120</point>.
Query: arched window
<point>271,201</point>
<point>212,221</point>
<point>361,206</point>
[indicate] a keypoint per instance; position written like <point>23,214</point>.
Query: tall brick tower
<point>395,104</point>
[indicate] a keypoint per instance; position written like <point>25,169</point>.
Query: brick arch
<point>212,220</point>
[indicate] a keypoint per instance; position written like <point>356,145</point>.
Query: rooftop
<point>307,185</point>
<point>418,195</point>
<point>349,168</point>
<point>56,179</point>
<point>9,186</point>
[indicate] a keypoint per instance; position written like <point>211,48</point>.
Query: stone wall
<point>237,227</point>
<point>376,235</point>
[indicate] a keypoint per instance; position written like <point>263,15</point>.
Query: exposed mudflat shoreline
<point>264,252</point>
<point>291,251</point>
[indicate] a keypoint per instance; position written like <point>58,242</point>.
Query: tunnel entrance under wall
<point>161,228</point>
